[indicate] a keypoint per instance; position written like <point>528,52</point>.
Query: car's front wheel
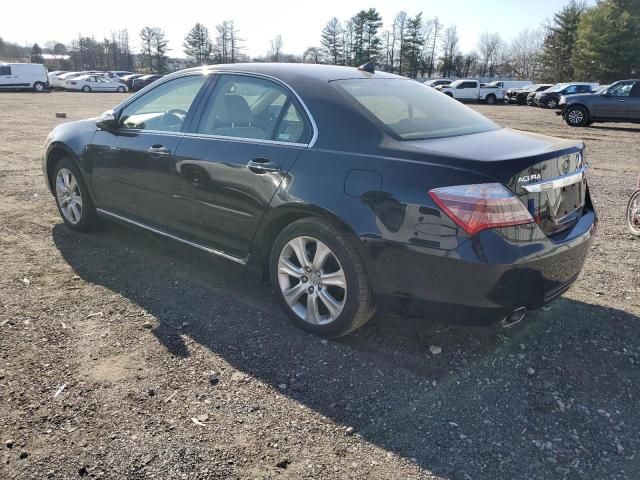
<point>491,99</point>
<point>552,103</point>
<point>576,116</point>
<point>320,278</point>
<point>121,90</point>
<point>72,196</point>
<point>86,89</point>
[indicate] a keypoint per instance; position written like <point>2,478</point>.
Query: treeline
<point>581,42</point>
<point>599,43</point>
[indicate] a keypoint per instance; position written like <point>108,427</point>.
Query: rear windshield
<point>411,110</point>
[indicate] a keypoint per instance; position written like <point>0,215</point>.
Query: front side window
<point>622,89</point>
<point>570,90</point>
<point>253,108</point>
<point>412,111</point>
<point>5,70</point>
<point>165,107</point>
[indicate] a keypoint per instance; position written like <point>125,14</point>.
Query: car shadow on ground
<point>616,128</point>
<point>487,403</point>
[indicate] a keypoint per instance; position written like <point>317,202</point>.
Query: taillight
<point>478,207</point>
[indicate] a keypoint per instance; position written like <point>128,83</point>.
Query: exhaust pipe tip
<point>514,317</point>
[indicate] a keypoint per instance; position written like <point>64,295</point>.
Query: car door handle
<point>262,165</point>
<point>158,150</point>
<point>621,100</point>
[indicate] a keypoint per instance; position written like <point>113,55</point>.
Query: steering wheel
<point>173,118</point>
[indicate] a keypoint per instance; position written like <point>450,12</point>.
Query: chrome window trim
<point>557,182</point>
<point>241,261</point>
<point>245,140</point>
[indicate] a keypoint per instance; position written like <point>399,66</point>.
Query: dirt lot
<point>112,343</point>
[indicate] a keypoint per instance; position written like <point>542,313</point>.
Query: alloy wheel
<point>575,116</point>
<point>312,280</point>
<point>69,196</point>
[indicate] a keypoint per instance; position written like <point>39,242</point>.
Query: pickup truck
<point>468,90</point>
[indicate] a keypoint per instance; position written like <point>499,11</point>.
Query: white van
<point>23,76</point>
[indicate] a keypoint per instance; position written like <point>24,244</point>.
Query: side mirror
<point>107,121</point>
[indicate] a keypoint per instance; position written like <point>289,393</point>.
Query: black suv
<point>618,103</point>
<point>550,98</point>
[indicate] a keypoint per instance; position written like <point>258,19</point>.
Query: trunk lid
<point>546,173</point>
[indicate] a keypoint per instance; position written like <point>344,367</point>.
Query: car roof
<point>295,73</point>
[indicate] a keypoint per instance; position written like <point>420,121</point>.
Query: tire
<point>340,307</point>
<point>551,103</point>
<point>121,90</point>
<point>490,99</point>
<point>633,214</point>
<point>39,87</point>
<point>576,116</point>
<point>86,89</point>
<point>82,218</point>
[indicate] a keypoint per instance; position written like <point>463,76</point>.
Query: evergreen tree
<point>197,45</point>
<point>332,42</point>
<point>413,43</point>
<point>36,54</point>
<point>160,43</point>
<point>366,41</point>
<point>560,41</point>
<point>608,43</point>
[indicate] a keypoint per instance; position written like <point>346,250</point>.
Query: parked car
<point>94,83</point>
<point>519,96</point>
<point>507,84</point>
<point>353,190</point>
<point>466,90</point>
<point>550,98</point>
<point>437,82</point>
<point>117,74</point>
<point>618,103</point>
<point>59,81</point>
<point>128,79</point>
<point>23,76</point>
<point>141,82</point>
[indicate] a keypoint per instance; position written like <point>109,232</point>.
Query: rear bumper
<point>485,278</point>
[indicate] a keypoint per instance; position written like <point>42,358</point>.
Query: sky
<point>258,21</point>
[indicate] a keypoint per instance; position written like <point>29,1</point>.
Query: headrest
<point>236,110</point>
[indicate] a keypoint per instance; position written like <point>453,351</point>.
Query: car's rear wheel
<point>490,99</point>
<point>121,90</point>
<point>633,214</point>
<point>72,197</point>
<point>86,89</point>
<point>576,116</point>
<point>320,278</point>
<point>39,87</point>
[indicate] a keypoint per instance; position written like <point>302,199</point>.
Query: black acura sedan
<point>351,189</point>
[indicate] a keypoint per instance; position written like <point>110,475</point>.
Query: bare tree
<point>489,45</point>
<point>525,54</point>
<point>275,49</point>
<point>433,30</point>
<point>398,40</point>
<point>449,42</point>
<point>312,55</point>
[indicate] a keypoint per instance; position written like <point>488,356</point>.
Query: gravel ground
<point>124,355</point>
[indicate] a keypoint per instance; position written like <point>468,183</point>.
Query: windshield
<point>412,111</point>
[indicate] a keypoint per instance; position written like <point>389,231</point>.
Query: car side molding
<point>241,261</point>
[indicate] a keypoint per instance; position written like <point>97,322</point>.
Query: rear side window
<point>411,111</point>
<point>241,106</point>
<point>635,91</point>
<point>5,70</point>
